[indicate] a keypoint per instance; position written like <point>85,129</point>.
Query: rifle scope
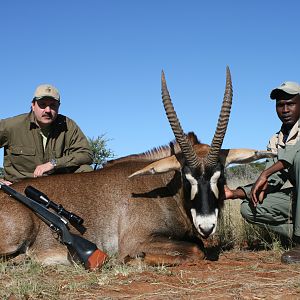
<point>43,199</point>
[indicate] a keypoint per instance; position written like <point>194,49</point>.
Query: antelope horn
<point>212,157</point>
<point>190,155</point>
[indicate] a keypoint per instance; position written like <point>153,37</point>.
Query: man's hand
<point>233,194</point>
<point>40,170</point>
<point>2,181</point>
<point>261,184</point>
<point>258,189</point>
<point>228,193</point>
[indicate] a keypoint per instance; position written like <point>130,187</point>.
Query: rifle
<point>79,248</point>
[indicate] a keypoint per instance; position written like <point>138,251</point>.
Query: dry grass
<point>30,280</point>
<point>233,231</point>
<point>238,276</point>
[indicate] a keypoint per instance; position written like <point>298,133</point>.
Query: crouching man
<point>43,142</point>
<point>273,200</point>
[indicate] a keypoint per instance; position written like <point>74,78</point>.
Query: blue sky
<point>106,58</point>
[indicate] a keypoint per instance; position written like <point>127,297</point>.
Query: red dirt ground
<point>236,275</point>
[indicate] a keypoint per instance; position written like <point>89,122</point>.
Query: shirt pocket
<point>23,158</point>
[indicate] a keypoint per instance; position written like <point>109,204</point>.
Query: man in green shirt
<point>43,142</point>
<point>274,199</point>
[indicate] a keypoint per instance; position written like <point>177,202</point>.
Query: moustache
<point>47,115</point>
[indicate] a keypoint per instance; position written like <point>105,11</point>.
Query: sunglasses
<point>52,104</point>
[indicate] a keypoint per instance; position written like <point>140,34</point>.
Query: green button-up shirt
<point>23,145</point>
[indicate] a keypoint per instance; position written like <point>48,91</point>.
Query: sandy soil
<point>236,275</point>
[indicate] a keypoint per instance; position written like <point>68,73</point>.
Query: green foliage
<point>247,171</point>
<point>1,172</point>
<point>100,151</point>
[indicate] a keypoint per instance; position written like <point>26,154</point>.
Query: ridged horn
<point>212,157</point>
<point>190,155</point>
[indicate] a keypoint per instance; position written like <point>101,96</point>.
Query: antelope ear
<point>243,156</point>
<point>161,166</point>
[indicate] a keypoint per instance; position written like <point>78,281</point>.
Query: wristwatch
<point>53,162</point>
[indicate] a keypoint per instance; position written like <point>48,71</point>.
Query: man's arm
<point>261,184</point>
<point>234,194</point>
<point>3,142</point>
<point>259,187</point>
<point>43,169</point>
<point>78,151</point>
<point>285,159</point>
<point>3,134</point>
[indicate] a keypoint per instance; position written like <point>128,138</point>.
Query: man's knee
<point>246,211</point>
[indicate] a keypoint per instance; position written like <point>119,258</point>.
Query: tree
<point>1,172</point>
<point>100,151</point>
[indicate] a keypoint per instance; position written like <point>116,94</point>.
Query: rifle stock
<point>79,247</point>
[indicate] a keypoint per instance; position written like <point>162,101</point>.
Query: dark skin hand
<point>233,194</point>
<point>259,188</point>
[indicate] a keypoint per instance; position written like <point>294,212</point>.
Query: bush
<point>100,151</point>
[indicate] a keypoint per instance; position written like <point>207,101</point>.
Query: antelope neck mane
<point>157,153</point>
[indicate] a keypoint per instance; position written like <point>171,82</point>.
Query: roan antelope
<point>159,218</point>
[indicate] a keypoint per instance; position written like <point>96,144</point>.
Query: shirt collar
<point>292,134</point>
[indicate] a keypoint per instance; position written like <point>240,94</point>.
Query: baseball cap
<point>289,87</point>
<point>46,90</point>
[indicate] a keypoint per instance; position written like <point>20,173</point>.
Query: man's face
<point>45,111</point>
<point>288,110</point>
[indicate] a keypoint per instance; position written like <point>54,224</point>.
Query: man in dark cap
<point>43,142</point>
<point>273,200</point>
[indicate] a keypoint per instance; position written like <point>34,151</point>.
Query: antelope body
<point>159,218</point>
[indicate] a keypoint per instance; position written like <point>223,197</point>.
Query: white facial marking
<point>217,212</point>
<point>213,183</point>
<point>194,185</point>
<point>205,224</point>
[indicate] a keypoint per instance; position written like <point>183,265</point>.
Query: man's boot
<point>292,256</point>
